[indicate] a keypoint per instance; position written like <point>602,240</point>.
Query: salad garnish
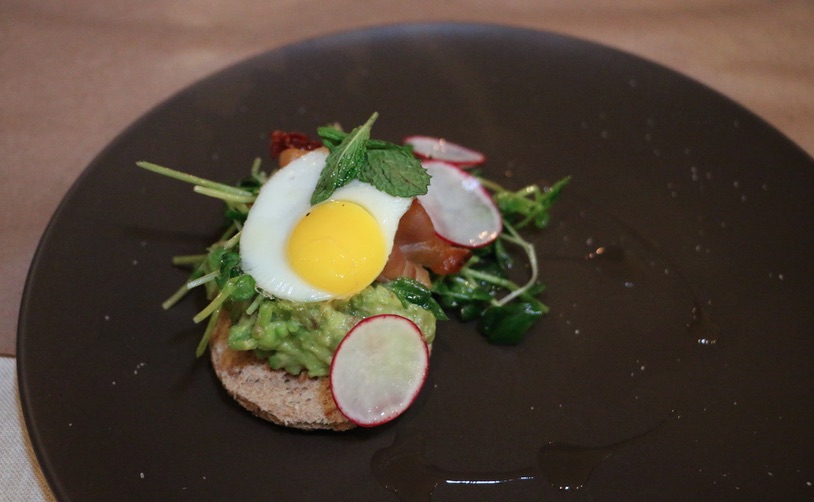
<point>387,166</point>
<point>480,291</point>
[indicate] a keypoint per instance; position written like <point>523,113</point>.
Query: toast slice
<point>274,395</point>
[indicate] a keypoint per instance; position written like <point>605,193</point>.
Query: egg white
<point>285,199</point>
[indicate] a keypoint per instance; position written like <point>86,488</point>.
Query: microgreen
<point>482,289</point>
<point>412,291</point>
<point>528,205</point>
<point>218,271</point>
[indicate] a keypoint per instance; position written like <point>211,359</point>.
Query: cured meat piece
<point>417,247</point>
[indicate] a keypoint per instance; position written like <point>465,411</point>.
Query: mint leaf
<point>378,144</point>
<point>344,162</point>
<point>389,167</point>
<point>331,136</point>
<point>396,172</point>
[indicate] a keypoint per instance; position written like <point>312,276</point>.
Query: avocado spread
<point>298,337</point>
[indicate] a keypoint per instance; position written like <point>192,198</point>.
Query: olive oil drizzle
<point>404,469</point>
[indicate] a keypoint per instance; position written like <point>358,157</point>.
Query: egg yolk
<point>338,247</point>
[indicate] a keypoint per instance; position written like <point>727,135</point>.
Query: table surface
<point>75,75</point>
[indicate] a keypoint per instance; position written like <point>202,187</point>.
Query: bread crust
<point>274,395</point>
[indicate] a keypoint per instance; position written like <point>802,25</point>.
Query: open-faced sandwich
<point>326,287</point>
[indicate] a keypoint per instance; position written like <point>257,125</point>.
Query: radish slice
<point>378,369</point>
<point>429,148</point>
<point>461,210</point>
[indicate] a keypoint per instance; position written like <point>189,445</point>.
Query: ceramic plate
<point>676,361</point>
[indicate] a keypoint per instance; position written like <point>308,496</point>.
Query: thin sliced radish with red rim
<point>378,369</point>
<point>461,209</point>
<point>430,148</point>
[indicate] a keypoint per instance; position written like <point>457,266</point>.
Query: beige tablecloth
<point>74,74</point>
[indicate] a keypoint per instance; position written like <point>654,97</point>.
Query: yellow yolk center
<point>338,247</point>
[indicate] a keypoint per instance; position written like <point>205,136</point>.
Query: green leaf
<point>331,136</point>
<point>454,291</point>
<point>344,162</point>
<point>502,257</point>
<point>390,168</point>
<point>470,311</point>
<point>412,291</point>
<point>395,172</point>
<point>229,266</point>
<point>508,324</point>
<point>245,288</point>
<point>530,204</point>
<point>377,144</point>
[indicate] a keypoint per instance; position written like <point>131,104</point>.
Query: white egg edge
<point>277,208</point>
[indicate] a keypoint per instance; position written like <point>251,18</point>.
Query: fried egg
<point>304,253</point>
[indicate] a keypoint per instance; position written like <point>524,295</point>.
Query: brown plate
<point>675,364</point>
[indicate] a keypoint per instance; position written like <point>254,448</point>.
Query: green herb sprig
<point>389,167</point>
<point>218,270</point>
<point>482,289</point>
